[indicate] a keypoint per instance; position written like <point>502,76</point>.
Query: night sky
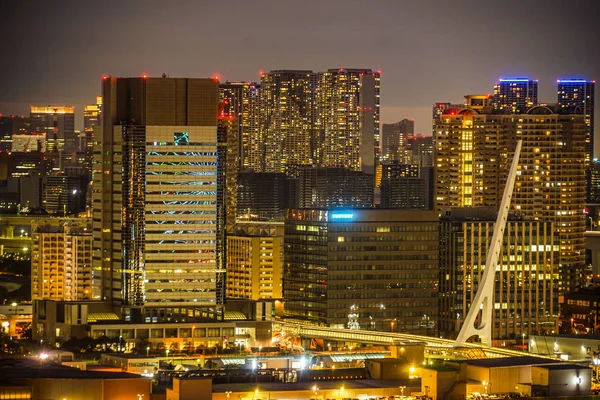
<point>55,52</point>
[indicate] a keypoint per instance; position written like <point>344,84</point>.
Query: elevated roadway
<point>433,345</point>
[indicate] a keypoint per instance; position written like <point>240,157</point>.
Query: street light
<point>147,351</point>
<point>402,391</point>
<point>523,341</point>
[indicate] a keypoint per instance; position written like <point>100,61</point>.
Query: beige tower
<point>61,261</point>
<point>254,260</point>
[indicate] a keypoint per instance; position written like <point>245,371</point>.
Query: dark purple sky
<point>57,51</point>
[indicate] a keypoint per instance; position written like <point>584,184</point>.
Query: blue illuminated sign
<point>345,215</point>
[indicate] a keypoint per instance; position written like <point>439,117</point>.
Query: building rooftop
<point>352,384</point>
<point>563,366</point>
<point>30,368</point>
<point>510,361</point>
<point>442,368</point>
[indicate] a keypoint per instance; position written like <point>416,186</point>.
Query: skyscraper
<point>394,138</point>
<point>157,199</point>
<point>578,95</point>
<point>515,95</point>
<point>473,150</point>
<point>92,120</point>
<point>347,119</point>
<point>286,125</point>
<point>243,102</point>
<point>58,123</point>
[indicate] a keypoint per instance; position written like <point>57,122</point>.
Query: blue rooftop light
<point>515,79</point>
<point>572,80</point>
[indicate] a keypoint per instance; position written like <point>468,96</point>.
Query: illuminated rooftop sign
<point>342,215</point>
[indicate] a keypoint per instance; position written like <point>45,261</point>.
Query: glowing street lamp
<point>147,351</point>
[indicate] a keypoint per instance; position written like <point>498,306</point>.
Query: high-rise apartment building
<point>578,96</point>
<point>527,277</point>
<point>323,187</point>
<point>347,119</point>
<point>403,189</point>
<point>394,138</point>
<point>61,261</point>
<point>515,95</point>
<point>474,148</point>
<point>467,157</point>
<point>158,198</point>
<point>254,260</point>
<point>362,269</point>
<point>265,196</point>
<point>242,101</point>
<point>58,123</point>
<point>286,124</point>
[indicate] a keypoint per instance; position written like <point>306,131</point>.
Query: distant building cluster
<point>289,194</point>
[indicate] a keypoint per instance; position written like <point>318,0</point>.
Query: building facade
<point>527,283</point>
<point>58,123</point>
<point>61,261</point>
<point>254,260</point>
<point>578,96</point>
<point>323,187</point>
<point>159,198</point>
<point>286,124</point>
<point>393,141</point>
<point>265,195</point>
<point>243,103</point>
<point>347,119</point>
<point>362,269</point>
<point>474,148</point>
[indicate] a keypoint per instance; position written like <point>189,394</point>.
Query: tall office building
<point>515,95</point>
<point>92,115</point>
<point>92,120</point>
<point>158,198</point>
<point>11,125</point>
<point>527,275</point>
<point>347,120</point>
<point>58,123</point>
<point>474,148</point>
<point>61,261</point>
<point>394,138</point>
<point>362,269</point>
<point>578,96</point>
<point>254,260</point>
<point>323,187</point>
<point>64,194</point>
<point>243,102</point>
<point>286,124</point>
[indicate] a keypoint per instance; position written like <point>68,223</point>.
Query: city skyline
<point>353,36</point>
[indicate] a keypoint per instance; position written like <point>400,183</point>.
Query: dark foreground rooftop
<point>31,368</point>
